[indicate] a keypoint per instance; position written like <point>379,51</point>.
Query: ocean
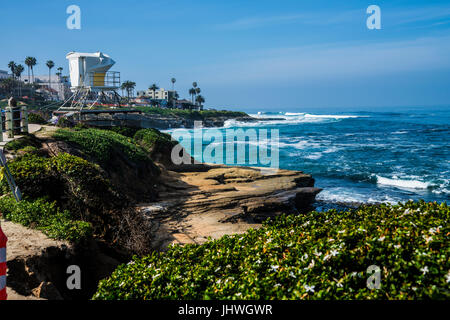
<point>365,156</point>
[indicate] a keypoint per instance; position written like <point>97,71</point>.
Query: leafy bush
<point>45,216</point>
<point>159,145</point>
<point>73,182</point>
<point>102,144</point>
<point>125,131</point>
<point>25,141</point>
<point>151,138</point>
<point>63,122</point>
<point>192,114</point>
<point>36,118</point>
<point>312,256</point>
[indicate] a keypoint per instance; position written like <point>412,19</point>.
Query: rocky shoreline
<point>215,200</point>
<point>157,121</point>
<point>161,204</point>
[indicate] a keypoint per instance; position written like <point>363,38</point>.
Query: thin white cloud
<point>346,62</point>
<point>394,16</point>
<point>419,15</point>
<point>309,18</point>
<point>255,22</point>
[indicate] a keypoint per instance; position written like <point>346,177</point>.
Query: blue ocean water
<point>366,156</point>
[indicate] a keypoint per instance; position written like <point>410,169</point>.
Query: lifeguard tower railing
<point>104,80</point>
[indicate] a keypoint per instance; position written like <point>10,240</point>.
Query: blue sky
<point>287,55</point>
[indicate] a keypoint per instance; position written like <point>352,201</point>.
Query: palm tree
<point>197,92</point>
<point>18,73</point>
<point>30,62</point>
<point>123,87</point>
<point>192,93</point>
<point>194,85</point>
<point>153,87</point>
<point>200,100</point>
<point>12,67</point>
<point>173,83</point>
<point>129,87</point>
<point>50,64</point>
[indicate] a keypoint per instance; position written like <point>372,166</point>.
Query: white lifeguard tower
<point>91,81</point>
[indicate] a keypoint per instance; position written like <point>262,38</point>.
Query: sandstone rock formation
<point>214,200</point>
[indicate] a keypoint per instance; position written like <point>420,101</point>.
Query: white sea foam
<point>329,116</point>
<point>346,195</point>
<point>400,183</point>
<point>289,118</point>
<point>314,156</point>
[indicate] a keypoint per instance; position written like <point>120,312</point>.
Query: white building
<point>60,84</point>
<point>160,94</point>
<point>4,74</point>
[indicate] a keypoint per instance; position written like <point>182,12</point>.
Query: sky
<point>251,55</point>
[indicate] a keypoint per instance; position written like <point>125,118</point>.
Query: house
<point>57,83</point>
<point>161,94</point>
<point>4,74</point>
<point>186,104</point>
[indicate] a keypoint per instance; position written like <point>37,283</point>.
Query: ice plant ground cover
<point>312,256</point>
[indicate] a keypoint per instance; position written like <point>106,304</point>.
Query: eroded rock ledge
<point>211,200</point>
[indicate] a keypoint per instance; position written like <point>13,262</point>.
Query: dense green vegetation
<point>94,187</point>
<point>75,184</point>
<point>125,131</point>
<point>25,141</point>
<point>47,217</point>
<point>152,138</point>
<point>311,256</point>
<point>36,118</point>
<point>102,144</point>
<point>192,114</point>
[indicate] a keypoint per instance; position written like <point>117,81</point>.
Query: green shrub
<point>45,216</point>
<point>73,182</point>
<point>102,144</point>
<point>125,131</point>
<point>151,138</point>
<point>63,122</point>
<point>36,118</point>
<point>312,256</point>
<point>25,141</point>
<point>192,114</point>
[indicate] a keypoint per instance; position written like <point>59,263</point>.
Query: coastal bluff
<point>97,197</point>
<point>162,121</point>
<point>214,200</point>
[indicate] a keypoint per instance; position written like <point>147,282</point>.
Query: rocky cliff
<point>212,200</point>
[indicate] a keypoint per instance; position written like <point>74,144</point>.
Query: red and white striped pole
<point>3,240</point>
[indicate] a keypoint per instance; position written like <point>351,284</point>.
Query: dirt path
<point>31,128</point>
<point>23,244</point>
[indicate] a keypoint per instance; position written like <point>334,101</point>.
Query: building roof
<point>183,101</point>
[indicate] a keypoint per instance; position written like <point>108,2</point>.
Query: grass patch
<point>151,138</point>
<point>311,256</point>
<point>102,144</point>
<point>45,216</point>
<point>25,141</point>
<point>73,182</point>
